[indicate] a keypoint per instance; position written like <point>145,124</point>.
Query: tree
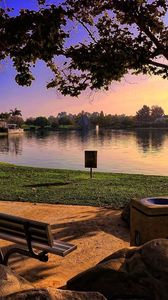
<point>4,116</point>
<point>143,115</point>
<point>41,122</point>
<point>94,118</point>
<point>30,121</point>
<point>15,117</point>
<point>53,121</point>
<point>101,119</point>
<point>123,36</point>
<point>15,112</point>
<point>156,112</point>
<point>64,119</point>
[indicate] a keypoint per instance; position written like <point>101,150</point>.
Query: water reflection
<point>158,139</point>
<point>118,150</point>
<point>11,144</point>
<point>143,140</point>
<point>151,139</point>
<point>146,140</point>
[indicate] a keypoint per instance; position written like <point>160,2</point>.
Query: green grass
<point>75,187</point>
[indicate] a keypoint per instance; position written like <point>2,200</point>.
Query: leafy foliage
<point>145,117</point>
<point>156,112</point>
<point>41,121</point>
<point>147,114</point>
<point>15,112</point>
<point>12,117</point>
<point>15,120</point>
<point>143,114</point>
<point>122,37</point>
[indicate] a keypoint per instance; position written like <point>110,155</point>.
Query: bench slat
<point>12,228</point>
<point>12,232</point>
<point>64,245</point>
<point>34,237</point>
<point>59,247</point>
<point>20,228</point>
<point>39,231</point>
<point>22,221</point>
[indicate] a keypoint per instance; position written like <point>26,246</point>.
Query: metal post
<point>90,172</point>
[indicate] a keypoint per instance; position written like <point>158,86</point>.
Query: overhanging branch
<point>157,64</point>
<point>89,32</point>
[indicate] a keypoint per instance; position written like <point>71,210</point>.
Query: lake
<point>142,151</point>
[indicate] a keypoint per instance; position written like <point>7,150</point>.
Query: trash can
<point>148,219</point>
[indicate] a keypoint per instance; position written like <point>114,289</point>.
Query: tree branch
<point>157,64</point>
<point>139,21</point>
<point>89,32</point>
<point>152,37</point>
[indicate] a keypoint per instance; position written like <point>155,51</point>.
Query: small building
<point>9,128</point>
<point>12,126</point>
<point>14,129</point>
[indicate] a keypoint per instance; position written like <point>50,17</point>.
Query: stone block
<point>149,220</point>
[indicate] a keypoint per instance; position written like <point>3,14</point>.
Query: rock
<point>53,294</point>
<point>133,273</point>
<point>155,256</point>
<point>71,295</point>
<point>125,215</point>
<point>14,287</point>
<point>11,283</point>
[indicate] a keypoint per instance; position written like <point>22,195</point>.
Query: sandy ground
<point>97,232</point>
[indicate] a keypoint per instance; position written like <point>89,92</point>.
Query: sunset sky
<point>124,97</point>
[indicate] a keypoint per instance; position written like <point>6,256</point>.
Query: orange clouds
<point>124,97</point>
<point>127,97</point>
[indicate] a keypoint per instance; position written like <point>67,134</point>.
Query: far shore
<point>71,128</point>
<point>66,127</point>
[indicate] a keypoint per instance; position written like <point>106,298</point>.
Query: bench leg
<point>42,256</point>
<point>1,257</point>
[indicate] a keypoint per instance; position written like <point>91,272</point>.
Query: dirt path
<point>97,232</point>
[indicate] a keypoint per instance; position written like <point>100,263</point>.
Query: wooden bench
<point>33,235</point>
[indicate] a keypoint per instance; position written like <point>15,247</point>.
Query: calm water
<point>142,151</point>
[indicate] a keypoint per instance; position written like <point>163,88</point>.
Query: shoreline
<point>92,128</point>
<point>34,130</point>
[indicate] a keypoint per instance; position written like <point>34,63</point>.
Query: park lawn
<point>21,183</point>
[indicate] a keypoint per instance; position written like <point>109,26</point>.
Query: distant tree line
<point>82,119</point>
<point>145,117</point>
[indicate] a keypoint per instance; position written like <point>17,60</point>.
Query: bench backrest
<point>12,228</point>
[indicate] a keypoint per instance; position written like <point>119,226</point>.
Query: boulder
<point>14,287</point>
<point>132,273</point>
<point>11,283</point>
<point>53,294</point>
